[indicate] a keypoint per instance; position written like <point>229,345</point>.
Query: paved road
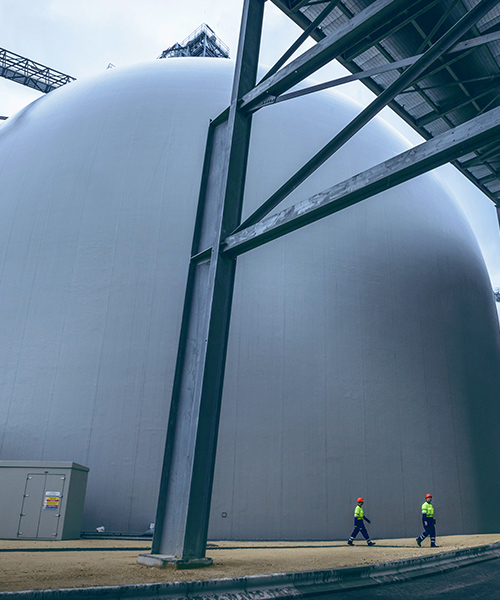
<point>477,582</point>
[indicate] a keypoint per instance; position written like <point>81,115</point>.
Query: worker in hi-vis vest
<point>428,521</point>
<point>359,518</point>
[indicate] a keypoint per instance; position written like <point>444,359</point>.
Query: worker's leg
<point>432,533</point>
<point>422,536</point>
<point>354,533</point>
<point>365,534</point>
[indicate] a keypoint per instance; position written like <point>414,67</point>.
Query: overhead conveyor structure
<point>30,73</point>
<point>435,63</point>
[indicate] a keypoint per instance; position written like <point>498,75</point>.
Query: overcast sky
<point>81,37</point>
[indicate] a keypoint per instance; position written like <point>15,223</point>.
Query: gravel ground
<point>26,565</point>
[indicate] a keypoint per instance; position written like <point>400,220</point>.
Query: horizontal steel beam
<point>405,62</point>
<point>488,178</point>
<point>298,5</point>
<point>446,110</point>
<point>427,156</point>
<point>486,153</point>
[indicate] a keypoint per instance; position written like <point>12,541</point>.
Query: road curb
<point>299,585</point>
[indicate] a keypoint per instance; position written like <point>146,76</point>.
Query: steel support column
<point>186,482</point>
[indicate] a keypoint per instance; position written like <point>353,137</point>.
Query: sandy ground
<point>28,565</point>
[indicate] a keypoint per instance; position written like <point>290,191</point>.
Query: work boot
<point>419,542</point>
<point>371,543</point>
<point>350,542</point>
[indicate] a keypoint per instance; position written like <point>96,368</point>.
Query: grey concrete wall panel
<point>364,352</point>
<point>41,500</point>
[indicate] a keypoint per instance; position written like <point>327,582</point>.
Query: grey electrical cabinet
<point>41,500</point>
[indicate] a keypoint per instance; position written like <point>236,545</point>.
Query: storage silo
<point>364,352</point>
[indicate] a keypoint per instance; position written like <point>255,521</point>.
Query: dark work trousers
<point>359,525</point>
<point>430,529</point>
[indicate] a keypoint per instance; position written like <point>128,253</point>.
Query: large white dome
<point>364,355</point>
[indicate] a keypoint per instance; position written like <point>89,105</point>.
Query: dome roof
<point>363,355</point>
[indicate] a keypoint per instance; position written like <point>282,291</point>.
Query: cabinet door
<point>31,505</point>
<point>41,507</point>
<point>50,514</point>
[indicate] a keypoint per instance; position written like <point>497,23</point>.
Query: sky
<point>81,37</point>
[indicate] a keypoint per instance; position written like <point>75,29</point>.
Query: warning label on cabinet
<point>51,500</point>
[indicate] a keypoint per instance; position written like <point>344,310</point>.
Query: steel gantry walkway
<point>436,62</point>
<point>30,73</point>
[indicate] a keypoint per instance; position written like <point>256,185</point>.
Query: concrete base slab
<point>164,561</point>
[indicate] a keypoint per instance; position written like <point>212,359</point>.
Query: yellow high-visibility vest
<point>427,509</point>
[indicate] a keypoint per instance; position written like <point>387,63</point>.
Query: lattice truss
<point>460,85</point>
<point>32,74</point>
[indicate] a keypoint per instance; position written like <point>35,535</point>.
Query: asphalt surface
<point>475,582</point>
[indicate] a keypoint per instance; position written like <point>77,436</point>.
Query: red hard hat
<point>360,500</point>
<point>428,495</point>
